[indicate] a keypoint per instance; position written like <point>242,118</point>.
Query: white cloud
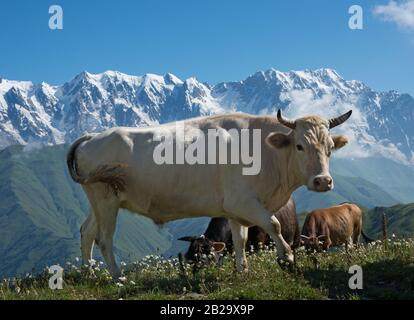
<point>401,13</point>
<point>362,144</point>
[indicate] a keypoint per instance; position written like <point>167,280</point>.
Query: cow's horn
<point>288,123</point>
<point>339,120</point>
<point>189,239</point>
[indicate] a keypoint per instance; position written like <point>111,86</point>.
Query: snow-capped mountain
<point>39,113</point>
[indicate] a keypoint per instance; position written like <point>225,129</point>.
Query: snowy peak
<point>171,79</point>
<point>381,123</point>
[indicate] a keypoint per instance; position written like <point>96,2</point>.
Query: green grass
<point>388,273</point>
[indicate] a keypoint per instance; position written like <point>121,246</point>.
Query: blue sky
<point>212,40</point>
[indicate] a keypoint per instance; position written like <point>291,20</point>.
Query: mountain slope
<point>352,189</point>
<point>393,177</point>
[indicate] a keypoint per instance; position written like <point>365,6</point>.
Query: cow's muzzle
<point>321,183</point>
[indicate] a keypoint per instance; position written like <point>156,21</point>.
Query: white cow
<point>117,170</point>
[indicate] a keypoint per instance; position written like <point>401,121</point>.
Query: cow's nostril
<point>317,182</point>
<point>329,181</point>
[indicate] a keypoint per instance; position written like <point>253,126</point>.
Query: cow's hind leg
<point>106,229</point>
<point>239,235</point>
<point>105,207</point>
<point>89,233</point>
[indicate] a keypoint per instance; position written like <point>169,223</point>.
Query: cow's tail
<point>111,174</point>
<point>71,159</point>
<point>366,238</point>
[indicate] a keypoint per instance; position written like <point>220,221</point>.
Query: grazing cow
<point>333,226</point>
<point>121,160</point>
<point>218,235</point>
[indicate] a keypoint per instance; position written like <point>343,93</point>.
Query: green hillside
<point>41,210</point>
<point>400,221</point>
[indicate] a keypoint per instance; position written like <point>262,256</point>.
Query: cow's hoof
<point>242,270</point>
<point>290,258</point>
<point>116,274</point>
<point>286,263</point>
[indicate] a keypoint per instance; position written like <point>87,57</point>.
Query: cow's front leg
<point>327,244</point>
<point>252,211</point>
<point>348,244</point>
<point>284,252</point>
<point>239,236</point>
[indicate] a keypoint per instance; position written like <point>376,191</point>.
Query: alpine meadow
<point>207,154</point>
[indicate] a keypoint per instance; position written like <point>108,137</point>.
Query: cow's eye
<point>329,153</point>
<point>299,147</point>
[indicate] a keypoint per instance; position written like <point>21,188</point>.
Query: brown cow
<point>334,226</point>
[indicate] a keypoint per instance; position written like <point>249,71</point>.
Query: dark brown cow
<point>333,226</point>
<point>290,228</point>
<point>218,233</point>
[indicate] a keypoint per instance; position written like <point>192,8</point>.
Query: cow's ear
<point>278,140</point>
<point>339,141</point>
<point>189,239</point>
<point>218,246</point>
